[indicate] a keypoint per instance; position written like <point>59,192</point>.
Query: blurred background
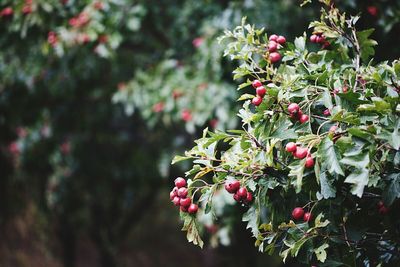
<point>96,97</point>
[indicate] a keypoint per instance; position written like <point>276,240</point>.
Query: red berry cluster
<point>260,91</point>
<point>296,113</point>
<point>300,153</point>
<point>240,194</point>
<point>319,38</point>
<point>382,209</point>
<point>79,20</point>
<point>298,214</point>
<point>274,44</point>
<point>179,196</point>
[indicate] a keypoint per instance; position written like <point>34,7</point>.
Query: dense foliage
<point>317,162</point>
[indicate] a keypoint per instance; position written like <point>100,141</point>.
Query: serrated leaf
<point>327,190</point>
<point>321,253</point>
<point>393,190</point>
<point>179,158</point>
<point>192,233</point>
<point>252,217</point>
<point>329,156</point>
<point>282,130</point>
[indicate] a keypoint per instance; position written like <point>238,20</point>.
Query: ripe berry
<point>232,186</point>
<point>274,57</point>
<point>333,129</point>
<point>326,44</point>
<point>303,118</point>
<point>176,201</point>
<point>186,115</point>
<point>249,198</point>
<point>320,39</point>
<point>327,112</point>
<point>8,11</point>
<point>256,83</point>
<point>291,147</point>
<point>273,37</point>
<point>242,193</point>
<point>344,89</point>
<point>261,91</point>
<point>313,38</point>
<point>184,209</point>
<point>307,216</point>
<point>257,101</point>
<point>300,153</point>
<point>272,46</point>
<point>281,40</point>
<point>380,204</point>
<point>237,197</point>
<point>293,108</point>
<point>27,9</point>
<point>172,195</point>
<point>185,202</point>
<point>193,208</point>
<point>182,192</point>
<point>383,210</point>
<point>309,162</point>
<point>297,213</point>
<point>180,182</point>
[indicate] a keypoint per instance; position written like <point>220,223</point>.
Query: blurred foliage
<point>71,150</point>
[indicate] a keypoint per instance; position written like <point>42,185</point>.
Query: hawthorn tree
<point>316,163</point>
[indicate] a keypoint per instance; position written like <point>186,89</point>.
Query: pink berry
<point>180,182</point>
<point>300,153</point>
<point>182,192</point>
<point>293,108</point>
<point>256,83</point>
<point>281,40</point>
<point>297,213</point>
<point>257,101</point>
<point>303,118</point>
<point>307,216</point>
<point>291,147</point>
<point>313,38</point>
<point>172,195</point>
<point>261,91</point>
<point>185,202</point>
<point>232,186</point>
<point>327,112</point>
<point>272,46</point>
<point>309,162</point>
<point>333,129</point>
<point>273,37</point>
<point>274,57</point>
<point>176,201</point>
<point>249,198</point>
<point>242,192</point>
<point>193,208</point>
<point>184,209</point>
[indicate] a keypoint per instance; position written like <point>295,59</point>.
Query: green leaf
<point>282,130</point>
<point>192,235</point>
<point>179,158</point>
<point>393,190</point>
<point>366,44</point>
<point>327,190</point>
<point>329,156</point>
<point>245,97</point>
<point>321,253</point>
<point>359,179</point>
<point>252,217</point>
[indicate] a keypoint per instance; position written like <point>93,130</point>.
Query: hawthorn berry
<point>260,91</point>
<point>185,202</point>
<point>176,201</point>
<point>184,209</point>
<point>242,193</point>
<point>172,195</point>
<point>383,210</point>
<point>307,216</point>
<point>274,57</point>
<point>180,182</point>
<point>27,9</point>
<point>344,89</point>
<point>309,162</point>
<point>297,213</point>
<point>186,115</point>
<point>237,197</point>
<point>257,101</point>
<point>327,112</point>
<point>272,46</point>
<point>249,198</point>
<point>293,108</point>
<point>313,38</point>
<point>303,118</point>
<point>300,153</point>
<point>291,147</point>
<point>333,129</point>
<point>193,208</point>
<point>273,37</point>
<point>232,186</point>
<point>256,83</point>
<point>182,192</point>
<point>281,40</point>
<point>8,11</point>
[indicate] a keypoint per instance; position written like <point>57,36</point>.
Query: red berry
<point>333,129</point>
<point>186,115</point>
<point>180,182</point>
<point>273,37</point>
<point>182,192</point>
<point>8,11</point>
<point>380,204</point>
<point>291,147</point>
<point>336,91</point>
<point>176,201</point>
<point>27,9</point>
<point>372,10</point>
<point>383,210</point>
<point>193,208</point>
<point>249,198</point>
<point>256,83</point>
<point>344,89</point>
<point>242,193</point>
<point>313,38</point>
<point>257,101</point>
<point>184,209</point>
<point>293,108</point>
<point>300,153</point>
<point>172,195</point>
<point>261,91</point>
<point>320,39</point>
<point>232,186</point>
<point>237,197</point>
<point>303,118</point>
<point>297,213</point>
<point>281,40</point>
<point>274,57</point>
<point>327,112</point>
<point>272,46</point>
<point>326,44</point>
<point>307,216</point>
<point>185,202</point>
<point>309,162</point>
